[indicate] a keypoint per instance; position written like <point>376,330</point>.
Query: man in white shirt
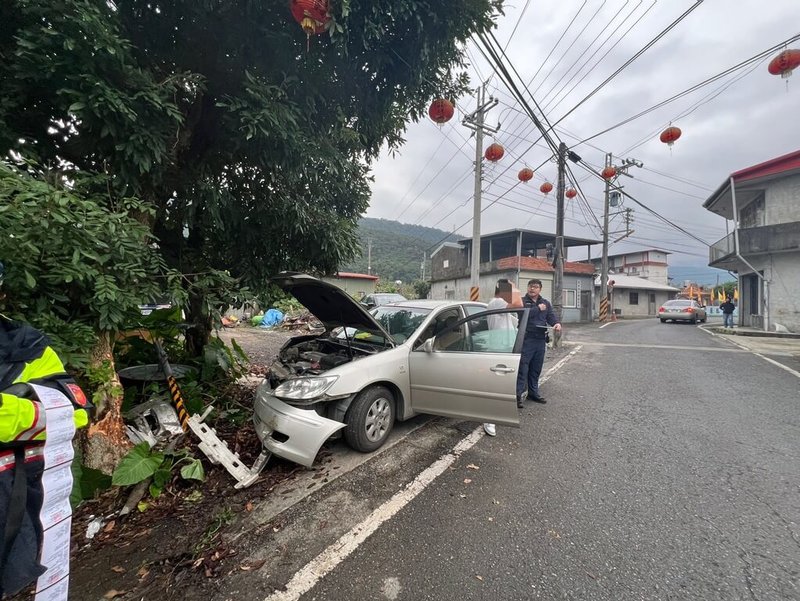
<point>502,321</point>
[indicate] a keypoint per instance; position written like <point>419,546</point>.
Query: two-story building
<point>650,264</point>
<point>517,255</point>
<point>763,248</point>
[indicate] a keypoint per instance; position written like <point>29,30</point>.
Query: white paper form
<point>56,514</point>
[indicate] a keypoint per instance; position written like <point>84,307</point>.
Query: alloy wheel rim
<point>377,422</point>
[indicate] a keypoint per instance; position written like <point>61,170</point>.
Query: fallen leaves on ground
<point>472,466</point>
<point>252,565</point>
<point>113,593</point>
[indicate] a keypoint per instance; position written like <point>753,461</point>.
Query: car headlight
<point>304,388</point>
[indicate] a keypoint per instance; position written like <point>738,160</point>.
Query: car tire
<point>663,320</point>
<point>369,419</point>
<point>694,320</point>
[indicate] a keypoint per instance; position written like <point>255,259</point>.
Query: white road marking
<point>660,347</point>
<point>309,575</point>
<point>749,350</point>
<point>781,365</point>
<point>608,323</point>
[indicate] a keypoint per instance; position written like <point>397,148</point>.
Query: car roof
<point>424,303</point>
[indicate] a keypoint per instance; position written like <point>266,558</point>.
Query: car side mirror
<point>428,345</point>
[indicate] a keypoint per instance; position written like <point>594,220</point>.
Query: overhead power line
<point>758,57</point>
<point>627,63</point>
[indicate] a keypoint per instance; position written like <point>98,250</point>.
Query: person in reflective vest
<point>26,357</point>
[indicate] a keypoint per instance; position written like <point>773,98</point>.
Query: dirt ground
<point>177,544</point>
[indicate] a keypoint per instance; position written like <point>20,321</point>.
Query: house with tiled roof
<point>517,255</point>
<point>762,203</point>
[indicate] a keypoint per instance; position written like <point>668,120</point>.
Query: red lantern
<point>525,175</point>
<point>669,135</point>
<point>312,15</point>
<point>494,153</point>
<point>784,63</point>
<point>546,188</point>
<point>609,173</point>
<point>571,193</point>
<point>441,110</point>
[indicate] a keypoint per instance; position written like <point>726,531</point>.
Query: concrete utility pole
<point>621,170</point>
<point>558,251</point>
<point>475,121</point>
<point>369,256</point>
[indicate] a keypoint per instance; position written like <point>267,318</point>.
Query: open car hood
<point>330,304</point>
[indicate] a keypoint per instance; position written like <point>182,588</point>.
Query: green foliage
<point>421,288</point>
<point>726,288</point>
<point>397,249</point>
<point>139,464</point>
<point>86,482</point>
<point>75,264</point>
<point>248,153</point>
<point>142,463</point>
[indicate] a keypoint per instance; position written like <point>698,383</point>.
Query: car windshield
<point>400,322</point>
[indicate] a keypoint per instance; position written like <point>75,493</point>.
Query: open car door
<point>469,370</point>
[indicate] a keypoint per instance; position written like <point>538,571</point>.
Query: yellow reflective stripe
<point>17,415</point>
<point>47,365</point>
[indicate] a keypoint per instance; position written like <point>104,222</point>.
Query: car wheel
<point>663,320</point>
<point>369,419</point>
<point>694,320</point>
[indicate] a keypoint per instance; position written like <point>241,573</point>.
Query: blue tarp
<point>271,318</point>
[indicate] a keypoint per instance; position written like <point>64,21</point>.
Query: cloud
<point>430,181</point>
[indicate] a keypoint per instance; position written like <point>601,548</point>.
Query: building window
<point>633,298</point>
<point>569,299</point>
<point>753,214</point>
<point>446,263</point>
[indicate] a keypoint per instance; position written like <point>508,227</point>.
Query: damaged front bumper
<point>290,432</point>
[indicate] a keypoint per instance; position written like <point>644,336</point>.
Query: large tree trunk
<point>199,332</point>
<point>106,441</point>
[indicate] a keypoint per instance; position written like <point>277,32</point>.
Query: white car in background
<point>369,369</point>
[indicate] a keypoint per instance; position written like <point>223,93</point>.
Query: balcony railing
<point>781,237</point>
<point>721,249</point>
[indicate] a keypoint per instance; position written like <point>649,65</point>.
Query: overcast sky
<point>741,120</point>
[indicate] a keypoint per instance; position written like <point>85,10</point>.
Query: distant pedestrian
<point>727,309</point>
<point>535,342</point>
<point>501,321</point>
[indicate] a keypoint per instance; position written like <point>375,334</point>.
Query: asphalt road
<point>665,466</point>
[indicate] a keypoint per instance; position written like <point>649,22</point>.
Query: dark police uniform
<point>534,346</point>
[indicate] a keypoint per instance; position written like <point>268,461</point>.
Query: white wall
<point>782,201</point>
<point>782,273</point>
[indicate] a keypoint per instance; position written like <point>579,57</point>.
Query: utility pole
<point>424,255</point>
<point>558,251</point>
<point>369,256</point>
<point>621,170</point>
<point>475,121</point>
<point>604,261</point>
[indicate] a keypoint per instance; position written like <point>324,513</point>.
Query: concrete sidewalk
<point>784,348</point>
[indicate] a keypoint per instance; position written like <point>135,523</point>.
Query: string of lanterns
<point>442,110</point>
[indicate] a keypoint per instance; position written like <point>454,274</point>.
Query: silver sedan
<point>682,310</point>
<point>369,369</point>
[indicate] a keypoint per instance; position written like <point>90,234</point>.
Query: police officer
<point>25,358</point>
<point>535,342</point>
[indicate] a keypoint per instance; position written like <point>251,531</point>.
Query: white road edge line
<point>309,575</point>
<point>608,323</point>
<point>742,346</point>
